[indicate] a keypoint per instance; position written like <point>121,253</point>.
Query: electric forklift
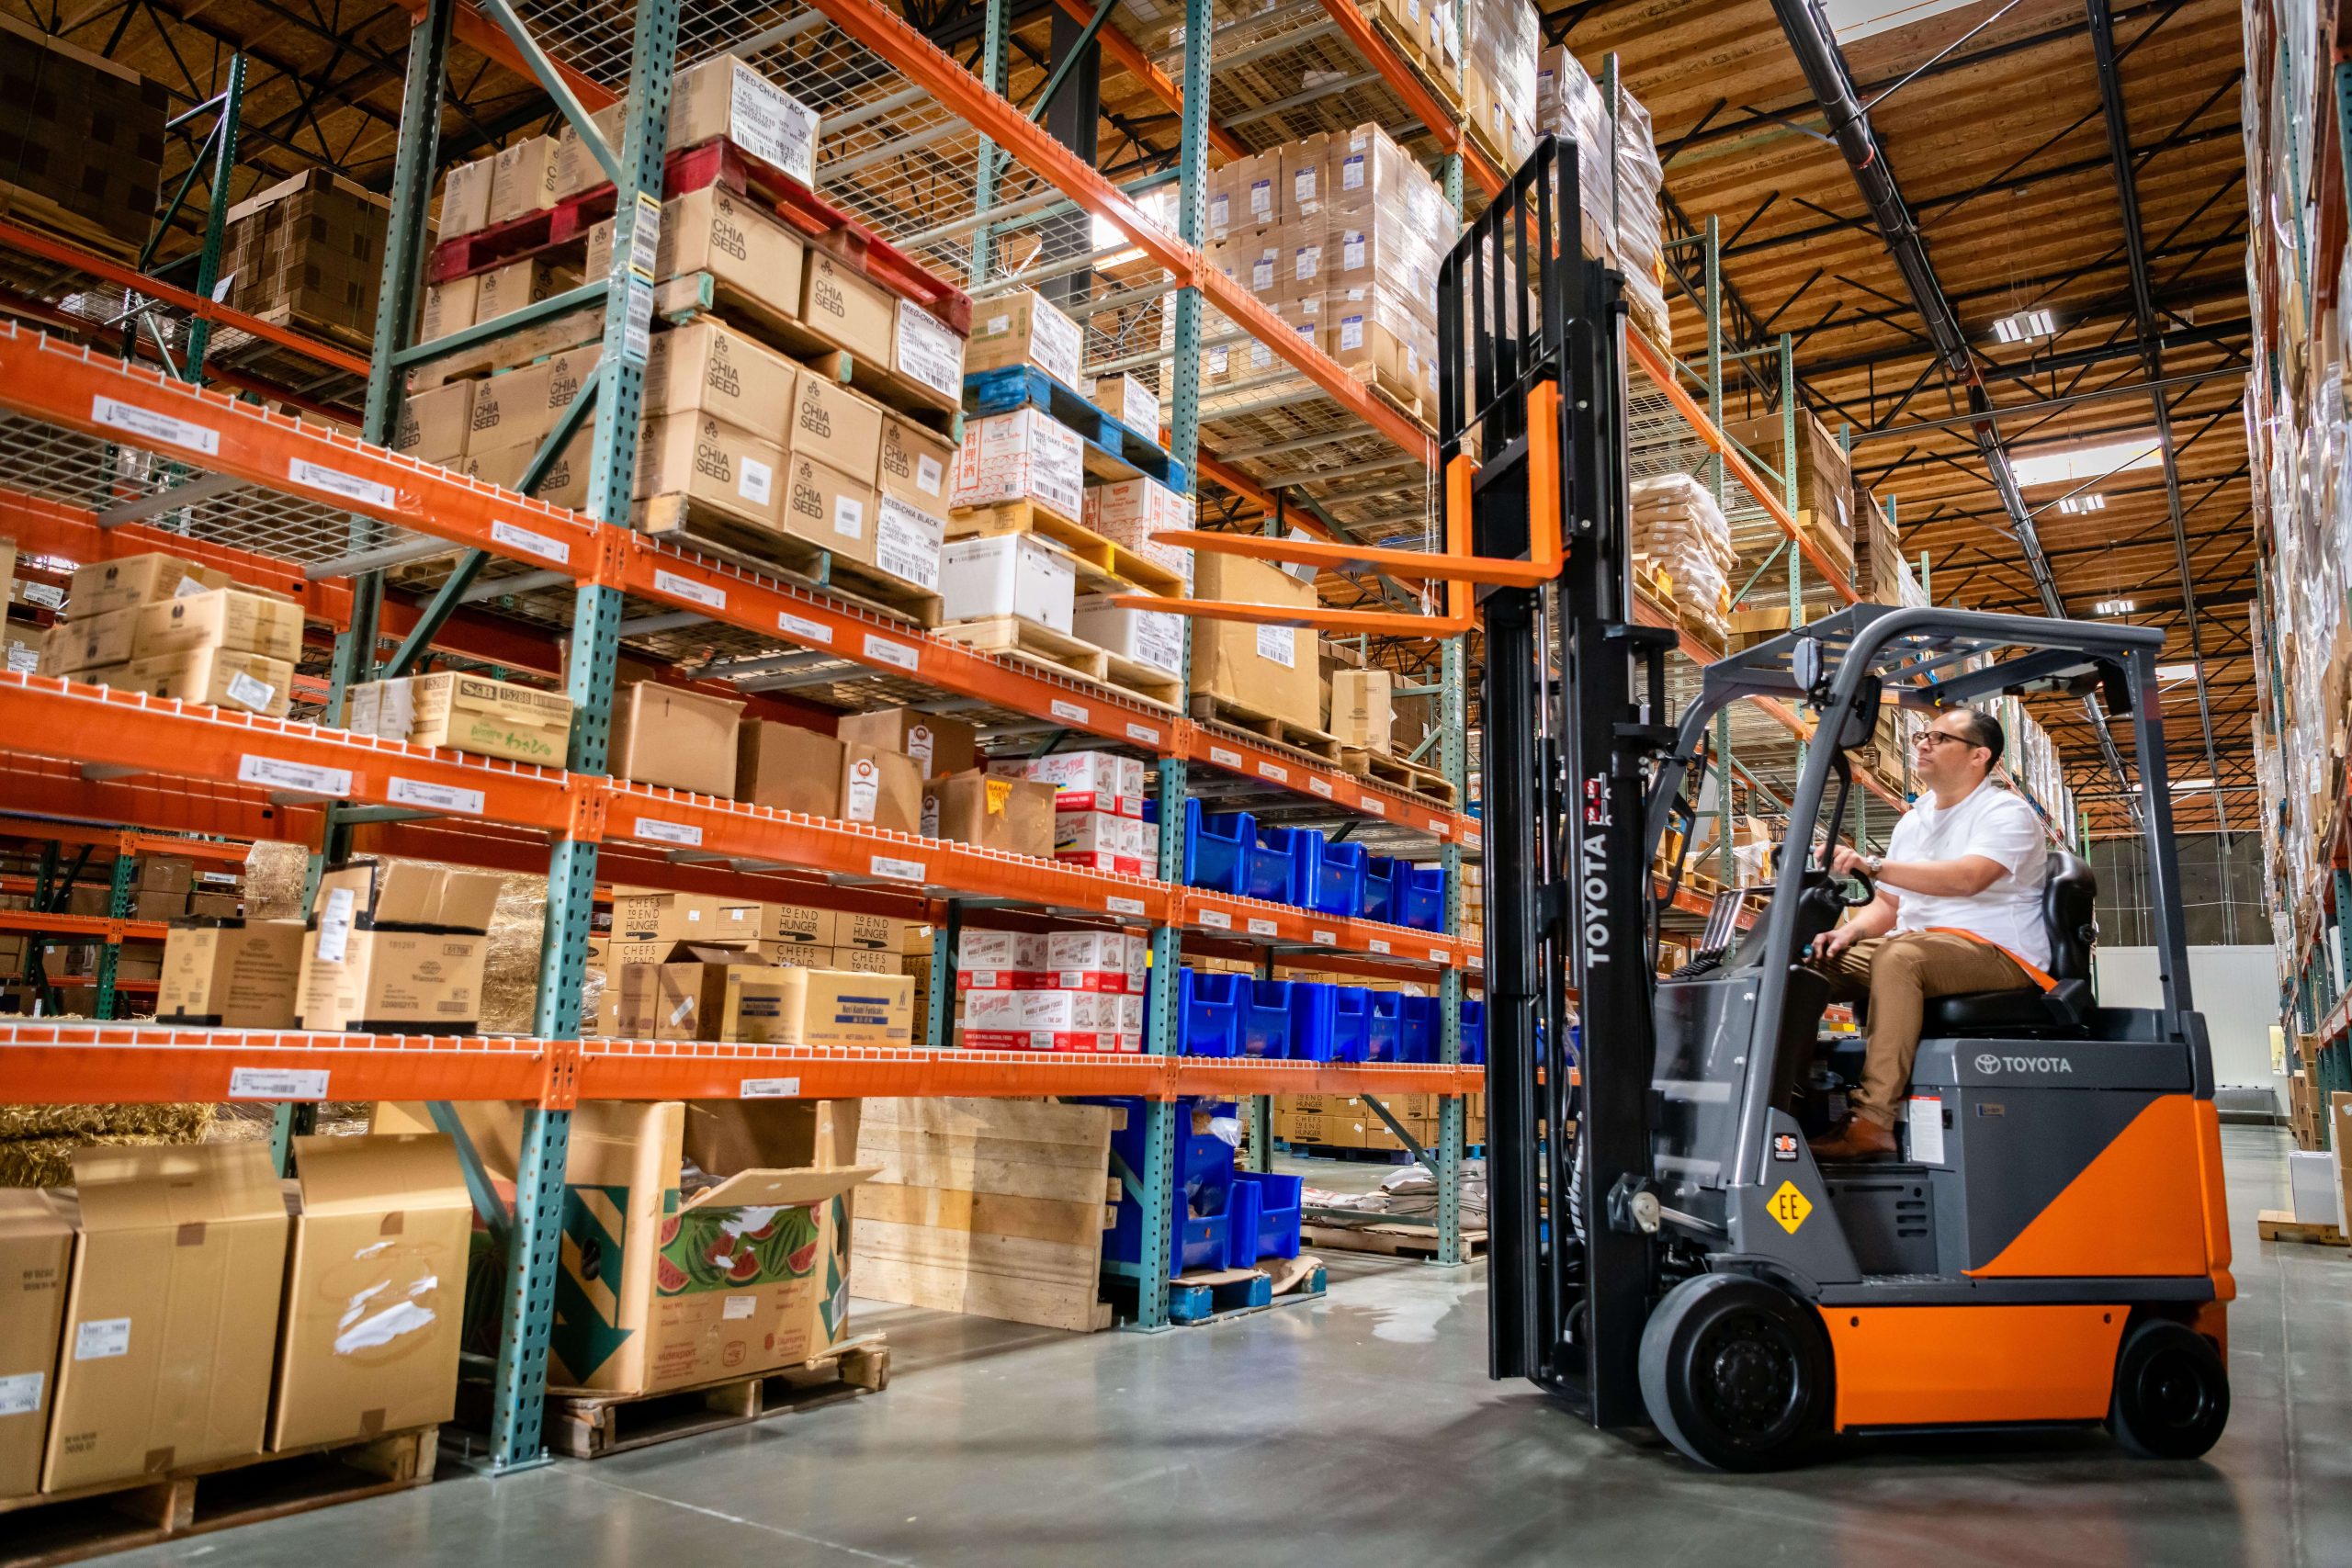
<point>2052,1246</point>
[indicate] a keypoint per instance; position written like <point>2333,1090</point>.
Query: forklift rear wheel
<point>2172,1392</point>
<point>1735,1373</point>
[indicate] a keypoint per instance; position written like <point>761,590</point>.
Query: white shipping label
<point>898,870</point>
<point>249,693</point>
<point>529,543</point>
<point>1261,928</point>
<point>149,425</point>
<point>20,1394</point>
<point>1220,358</point>
<point>768,1089</point>
<point>302,777</point>
<point>101,1338</point>
<point>1261,198</point>
<point>23,660</point>
<point>47,595</point>
<point>740,1306</point>
<point>1352,172</point>
<point>1351,333</point>
<point>920,745</point>
<point>1302,185</point>
<point>757,484</point>
<point>930,474</point>
<point>1306,261</point>
<point>686,587</point>
<point>849,516</point>
<point>1073,712</point>
<point>1217,920</point>
<point>435,796</point>
<point>335,925</point>
<point>351,487</point>
<point>1262,275</point>
<point>1925,1123</point>
<point>1059,349</point>
<point>1351,251</point>
<point>188,588</point>
<point>766,123</point>
<point>930,353</point>
<point>667,833</point>
<point>1278,644</point>
<point>277,1083</point>
<point>882,650</point>
<point>906,543</point>
<point>1220,214</point>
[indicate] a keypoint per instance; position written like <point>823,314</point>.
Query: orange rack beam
<point>97,927</point>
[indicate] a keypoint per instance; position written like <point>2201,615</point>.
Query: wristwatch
<point>1875,865</point>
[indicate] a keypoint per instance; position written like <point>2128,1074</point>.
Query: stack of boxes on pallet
<point>1825,488</point>
<point>1345,1121</point>
<point>172,628</point>
<point>81,149</point>
<point>1682,554</point>
<point>691,967</point>
<point>164,889</point>
<point>309,252</point>
<point>1619,178</point>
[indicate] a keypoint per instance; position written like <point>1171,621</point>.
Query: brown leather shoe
<point>1860,1139</point>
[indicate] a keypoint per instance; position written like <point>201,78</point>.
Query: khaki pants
<point>1898,974</point>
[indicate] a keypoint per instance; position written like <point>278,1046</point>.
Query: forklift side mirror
<point>1861,719</point>
<point>1804,663</point>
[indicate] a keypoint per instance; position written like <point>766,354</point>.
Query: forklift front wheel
<point>2172,1391</point>
<point>1735,1373</point>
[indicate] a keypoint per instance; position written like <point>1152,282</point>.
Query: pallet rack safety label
<point>768,1089</point>
<point>805,630</point>
<point>101,1338</point>
<point>1273,771</point>
<point>1217,919</point>
<point>277,1083</point>
<point>701,594</point>
<point>149,425</point>
<point>1377,943</point>
<point>1124,905</point>
<point>1223,758</point>
<point>1322,938</point>
<point>1437,955</point>
<point>1258,927</point>
<point>1377,808</point>
<point>334,482</point>
<point>280,775</point>
<point>435,796</point>
<point>1073,713</point>
<point>884,652</point>
<point>1478,961</point>
<point>669,833</point>
<point>1147,734</point>
<point>899,870</point>
<point>20,1394</point>
<point>522,539</point>
<point>1320,786</point>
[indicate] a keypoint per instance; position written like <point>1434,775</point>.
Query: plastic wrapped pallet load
<point>1679,528</point>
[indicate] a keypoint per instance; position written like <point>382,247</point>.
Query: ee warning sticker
<point>1789,1207</point>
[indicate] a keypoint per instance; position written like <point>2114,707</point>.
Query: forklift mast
<point>1532,391</point>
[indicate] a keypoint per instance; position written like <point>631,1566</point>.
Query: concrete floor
<point>1361,1430</point>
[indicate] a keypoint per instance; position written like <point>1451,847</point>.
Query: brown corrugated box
<point>663,735</point>
<point>232,973</point>
<point>830,509</point>
<point>1243,663</point>
<point>1016,816</point>
<point>789,768</point>
<point>226,618</point>
<point>131,580</point>
<point>419,975</point>
<point>839,304</point>
<point>940,745</point>
<point>706,369</point>
<point>36,1257</point>
<point>711,461</point>
<point>881,788</point>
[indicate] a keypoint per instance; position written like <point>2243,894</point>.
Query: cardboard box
<point>465,198</point>
<point>723,97</point>
<point>716,232</point>
<point>865,961</point>
<point>35,1258</point>
<point>421,972</point>
<point>131,580</point>
<point>434,426</point>
<point>832,510</point>
<point>711,461</point>
<point>91,642</point>
<point>882,933</point>
<point>835,425</point>
<point>991,812</point>
<point>1361,712</point>
<point>691,994</point>
<point>225,618</point>
<point>447,308</point>
<point>519,408</point>
<point>1007,574</point>
<point>906,542</point>
<point>375,1288</point>
<point>839,305</point>
<point>929,354</point>
<point>665,735</point>
<point>916,465</point>
<point>85,138</point>
<point>522,179</point>
<point>249,683</point>
<point>470,713</point>
<point>881,788</point>
<point>678,1288</point>
<point>1024,328</point>
<point>164,874</point>
<point>834,1008</point>
<point>707,369</point>
<point>788,768</point>
<point>1087,781</point>
<point>1022,456</point>
<point>1127,400</point>
<point>503,290</point>
<point>172,1317</point>
<point>1149,637</point>
<point>576,169</point>
<point>232,973</point>
<point>1269,669</point>
<point>939,745</point>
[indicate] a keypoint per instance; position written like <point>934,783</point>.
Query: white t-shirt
<point>1993,823</point>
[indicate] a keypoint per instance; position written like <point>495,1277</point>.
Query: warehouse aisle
<point>1363,1431</point>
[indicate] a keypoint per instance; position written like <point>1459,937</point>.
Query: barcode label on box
<point>149,425</point>
<point>277,1083</point>
<point>930,354</point>
<point>769,1089</point>
<point>101,1338</point>
<point>1262,927</point>
<point>1378,944</point>
<point>435,796</point>
<point>1320,786</point>
<point>279,774</point>
<point>901,870</point>
<point>335,925</point>
<point>1223,758</point>
<point>882,650</point>
<point>252,695</point>
<point>529,543</point>
<point>686,587</point>
<point>334,482</point>
<point>20,1394</point>
<point>1273,771</point>
<point>740,1306</point>
<point>1073,712</point>
<point>1124,905</point>
<point>1144,734</point>
<point>1216,919</point>
<point>805,630</point>
<point>1322,938</point>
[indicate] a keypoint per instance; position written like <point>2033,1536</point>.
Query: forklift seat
<point>2068,913</point>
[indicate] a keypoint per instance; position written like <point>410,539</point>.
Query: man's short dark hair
<point>1983,729</point>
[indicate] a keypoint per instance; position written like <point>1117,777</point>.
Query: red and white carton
<point>1098,832</point>
<point>1094,860</point>
<point>1090,961</point>
<point>1001,961</point>
<point>1089,1041</point>
<point>1139,966</point>
<point>1084,781</point>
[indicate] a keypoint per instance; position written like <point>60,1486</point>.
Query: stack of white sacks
<point>1679,528</point>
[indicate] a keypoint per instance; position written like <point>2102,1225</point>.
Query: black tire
<point>1736,1372</point>
<point>2172,1392</point>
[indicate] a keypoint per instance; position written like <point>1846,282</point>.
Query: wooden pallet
<point>562,228</point>
<point>1207,707</point>
<point>1148,681</point>
<point>1215,1296</point>
<point>1010,636</point>
<point>1113,451</point>
<point>1410,777</point>
<point>1389,1240</point>
<point>1103,565</point>
<point>597,1426</point>
<point>91,1521</point>
<point>699,526</point>
<point>2279,1225</point>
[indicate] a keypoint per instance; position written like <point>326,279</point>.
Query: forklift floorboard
<point>1361,1431</point>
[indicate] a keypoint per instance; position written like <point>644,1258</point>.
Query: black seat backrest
<point>2069,912</point>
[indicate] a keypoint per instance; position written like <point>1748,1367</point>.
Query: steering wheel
<point>1845,900</point>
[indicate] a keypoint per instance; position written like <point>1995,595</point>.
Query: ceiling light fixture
<point>2025,327</point>
<point>2114,607</point>
<point>2176,672</point>
<point>2091,503</point>
<point>2085,465</point>
<point>2178,786</point>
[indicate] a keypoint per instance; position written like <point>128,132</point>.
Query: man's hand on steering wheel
<point>1846,861</point>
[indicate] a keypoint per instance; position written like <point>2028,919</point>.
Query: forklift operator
<point>1959,908</point>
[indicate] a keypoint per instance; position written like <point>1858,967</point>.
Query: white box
<point>1091,961</point>
<point>1022,456</point>
<point>926,350</point>
<point>1008,574</point>
<point>1128,400</point>
<point>907,543</point>
<point>1083,773</point>
<point>2311,1178</point>
<point>1149,637</point>
<point>1130,511</point>
<point>1097,832</point>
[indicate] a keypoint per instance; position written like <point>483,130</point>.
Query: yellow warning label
<point>1789,1207</point>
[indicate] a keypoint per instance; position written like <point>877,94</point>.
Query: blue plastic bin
<point>1403,1029</point>
<point>1338,888</point>
<point>1227,852</point>
<point>1204,1207</point>
<point>1473,1032</point>
<point>1350,1024</point>
<point>1313,1017</point>
<point>1303,848</point>
<point>1208,1012</point>
<point>1275,1203</point>
<point>1377,886</point>
<point>1417,896</point>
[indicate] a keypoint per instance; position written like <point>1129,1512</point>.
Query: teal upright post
<point>110,953</point>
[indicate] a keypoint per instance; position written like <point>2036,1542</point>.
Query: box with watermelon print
<point>703,1248</point>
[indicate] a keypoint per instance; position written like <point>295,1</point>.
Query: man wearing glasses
<point>1959,908</point>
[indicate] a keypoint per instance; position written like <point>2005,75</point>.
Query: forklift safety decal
<point>1789,1207</point>
<point>1784,1147</point>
